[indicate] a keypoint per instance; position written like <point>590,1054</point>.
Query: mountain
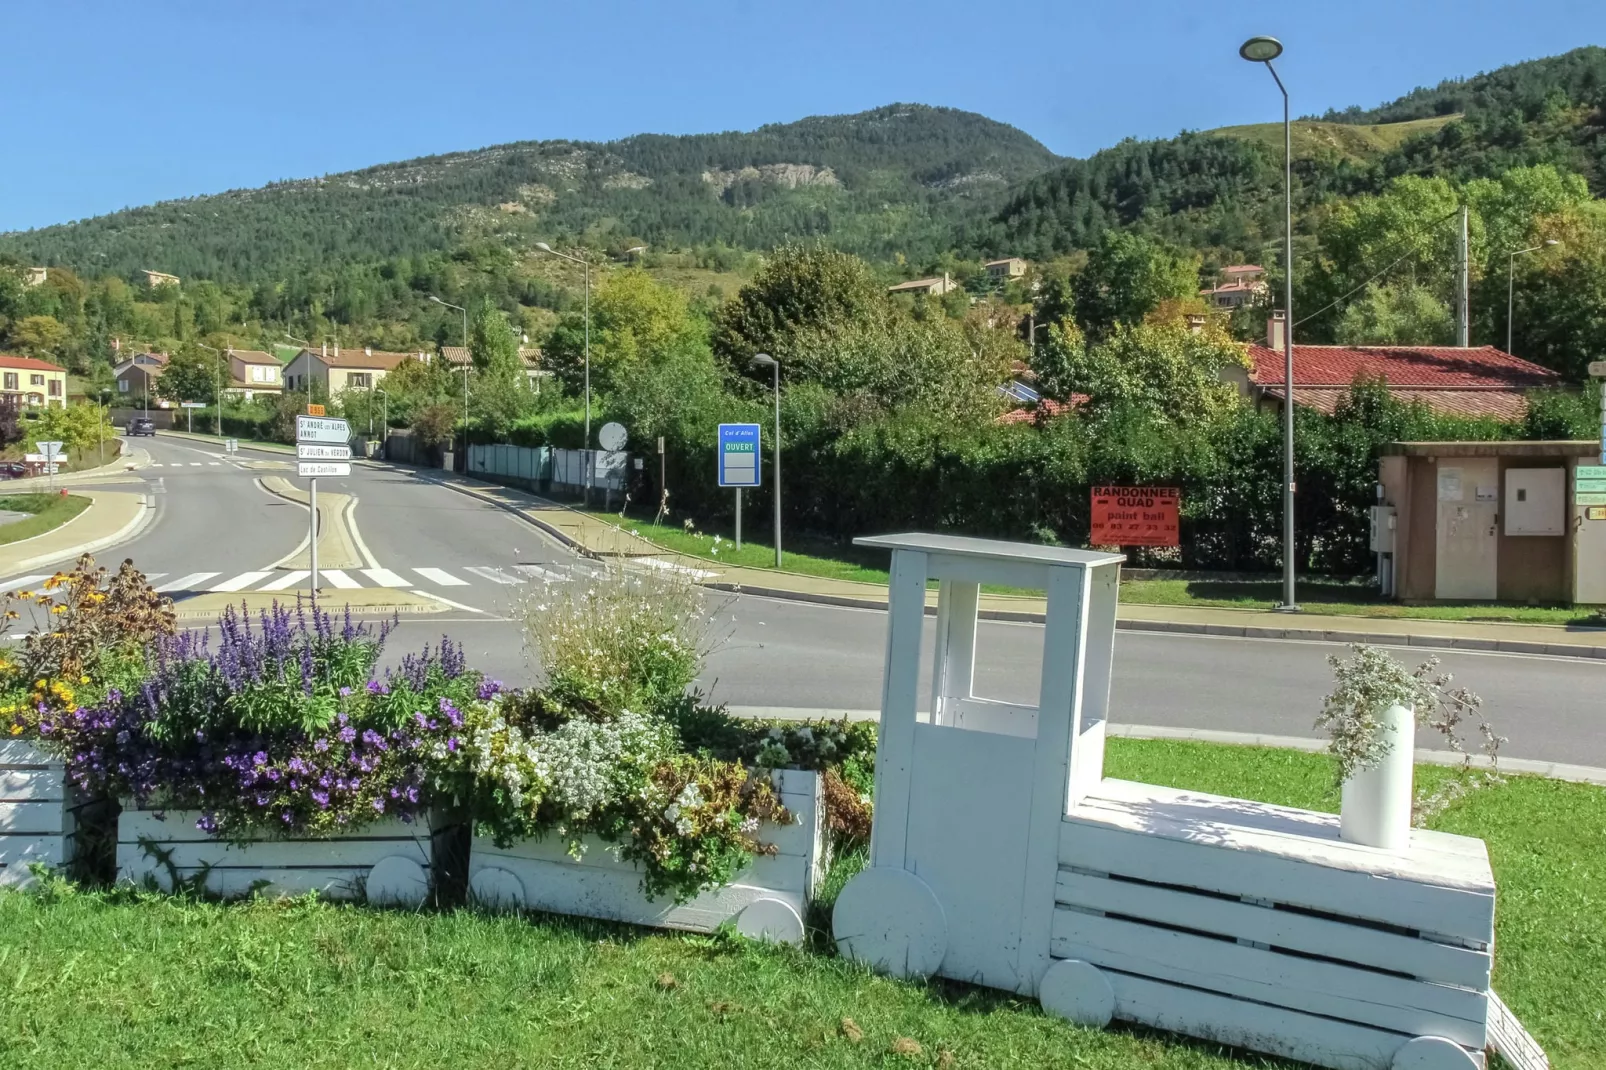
<point>898,179</point>
<point>1221,191</point>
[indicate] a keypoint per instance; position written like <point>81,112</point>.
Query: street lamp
<point>635,249</point>
<point>100,431</point>
<point>307,346</point>
<point>545,248</point>
<point>1511,282</point>
<point>467,363</point>
<point>219,398</point>
<point>764,360</point>
<point>1264,50</point>
<point>384,440</point>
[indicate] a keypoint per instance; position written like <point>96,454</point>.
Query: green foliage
<point>80,427</point>
<point>192,375</point>
<point>1164,369</point>
<point>1396,315</point>
<point>1127,277</point>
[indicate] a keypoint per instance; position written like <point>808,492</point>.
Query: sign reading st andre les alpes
<point>1135,516</point>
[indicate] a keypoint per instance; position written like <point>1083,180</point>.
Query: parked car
<point>13,470</point>
<point>142,425</point>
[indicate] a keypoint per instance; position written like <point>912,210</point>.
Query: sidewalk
<point>112,517</point>
<point>596,538</point>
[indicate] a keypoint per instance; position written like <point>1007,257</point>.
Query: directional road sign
<point>192,404</point>
<point>317,451</point>
<point>738,455</point>
<point>51,450</point>
<point>322,429</point>
<point>307,469</point>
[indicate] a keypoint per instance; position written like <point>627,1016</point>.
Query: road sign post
<point>739,464</point>
<point>323,448</point>
<point>51,452</point>
<point>189,408</point>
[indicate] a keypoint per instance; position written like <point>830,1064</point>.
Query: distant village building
<point>32,383</point>
<point>1238,285</point>
<point>35,276</point>
<point>137,379</point>
<point>154,279</point>
<point>252,373</point>
<point>1011,267</point>
<point>350,369</point>
<point>457,357</point>
<point>934,286</point>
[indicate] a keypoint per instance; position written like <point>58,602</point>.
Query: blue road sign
<point>738,455</point>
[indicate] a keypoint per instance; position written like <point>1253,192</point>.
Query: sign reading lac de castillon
<point>1135,516</point>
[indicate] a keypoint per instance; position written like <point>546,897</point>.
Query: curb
<point>1578,774</point>
<point>128,531</point>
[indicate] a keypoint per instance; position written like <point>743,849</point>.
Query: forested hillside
<point>898,179</point>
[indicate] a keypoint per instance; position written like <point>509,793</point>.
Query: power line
<point>1361,286</point>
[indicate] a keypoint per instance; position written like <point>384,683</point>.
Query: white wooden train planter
<point>37,813</point>
<point>387,862</point>
<point>1002,856</point>
<point>766,901</point>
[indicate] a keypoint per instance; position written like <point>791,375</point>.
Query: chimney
<point>367,351</point>
<point>1275,328</point>
<point>326,349</point>
<point>1196,322</point>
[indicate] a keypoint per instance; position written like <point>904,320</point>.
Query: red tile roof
<point>1046,409</point>
<point>30,363</point>
<point>1505,405</point>
<point>1428,367</point>
<point>1239,269</point>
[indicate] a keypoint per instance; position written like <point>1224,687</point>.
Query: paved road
<point>213,517</point>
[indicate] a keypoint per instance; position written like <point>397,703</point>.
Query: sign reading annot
<point>322,429</point>
<point>1135,516</point>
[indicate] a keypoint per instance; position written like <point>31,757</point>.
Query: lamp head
<point>543,246</point>
<point>437,300</point>
<point>1261,49</point>
<point>1552,241</point>
<point>635,249</point>
<point>762,360</point>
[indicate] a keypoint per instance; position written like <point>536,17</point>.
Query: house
<point>252,372</point>
<point>154,279</point>
<point>1470,381</point>
<point>934,287</point>
<point>1238,285</point>
<point>1012,267</point>
<point>32,383</point>
<point>34,276</point>
<point>337,369</point>
<point>137,377</point>
<point>457,357</point>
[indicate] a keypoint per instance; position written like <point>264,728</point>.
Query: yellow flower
<point>16,730</point>
<point>39,683</point>
<point>58,610</point>
<point>83,679</point>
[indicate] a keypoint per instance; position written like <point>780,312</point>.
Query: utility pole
<point>1463,319</point>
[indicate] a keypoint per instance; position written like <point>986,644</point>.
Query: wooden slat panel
<point>1415,1008</point>
<point>1365,946</point>
<point>17,851</point>
<point>22,752</point>
<point>786,873</point>
<point>32,785</point>
<point>1030,575</point>
<point>1225,1020</point>
<point>35,818</point>
<point>900,686</point>
<point>178,826</point>
<point>596,893</point>
<point>1453,912</point>
<point>334,883</point>
<point>291,853</point>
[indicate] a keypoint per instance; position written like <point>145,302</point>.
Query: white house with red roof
<point>1240,284</point>
<point>1472,381</point>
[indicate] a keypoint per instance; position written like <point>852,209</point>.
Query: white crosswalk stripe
<point>441,576</point>
<point>241,582</point>
<point>385,577</point>
<point>337,578</point>
<point>545,575</point>
<point>192,582</point>
<point>494,575</point>
<point>288,579</point>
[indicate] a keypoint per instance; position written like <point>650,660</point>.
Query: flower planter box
<point>385,862</point>
<point>766,900</point>
<point>38,812</point>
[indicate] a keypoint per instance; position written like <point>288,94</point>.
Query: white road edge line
<point>447,601</point>
<point>356,536</point>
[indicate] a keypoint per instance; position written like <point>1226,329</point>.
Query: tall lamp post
<point>384,424</point>
<point>218,426</point>
<point>545,248</point>
<point>1264,50</point>
<point>1511,283</point>
<point>764,360</point>
<point>467,363</point>
<point>100,432</point>
<point>307,346</point>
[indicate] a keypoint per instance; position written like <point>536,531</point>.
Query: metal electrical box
<point>1381,539</point>
<point>1536,501</point>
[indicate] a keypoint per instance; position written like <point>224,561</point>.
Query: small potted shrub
<point>1371,717</point>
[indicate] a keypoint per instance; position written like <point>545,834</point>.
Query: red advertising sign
<point>1135,516</point>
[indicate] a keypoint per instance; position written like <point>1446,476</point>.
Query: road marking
<point>188,583</point>
<point>670,566</point>
<point>495,576</point>
<point>356,536</point>
<point>445,601</point>
<point>20,582</point>
<point>384,577</point>
<point>289,579</point>
<point>542,574</point>
<point>195,464</point>
<point>442,577</point>
<point>339,579</point>
<point>241,582</point>
<point>213,464</point>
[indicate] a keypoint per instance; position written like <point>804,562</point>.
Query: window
<point>360,380</point>
<point>256,373</point>
<point>36,380</point>
<point>11,380</point>
<point>55,388</point>
<point>122,386</point>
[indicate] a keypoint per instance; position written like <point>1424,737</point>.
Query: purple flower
<point>489,689</point>
<point>260,758</point>
<point>320,745</point>
<point>344,691</point>
<point>379,805</point>
<point>321,798</point>
<point>347,734</point>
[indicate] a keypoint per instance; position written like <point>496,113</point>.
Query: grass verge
<point>1317,596</point>
<point>124,979</point>
<point>46,513</point>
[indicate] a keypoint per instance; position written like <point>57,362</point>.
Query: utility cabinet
<point>1536,501</point>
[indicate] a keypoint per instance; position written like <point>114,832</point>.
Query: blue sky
<point>118,104</point>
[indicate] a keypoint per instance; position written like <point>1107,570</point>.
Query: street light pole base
<point>1290,607</point>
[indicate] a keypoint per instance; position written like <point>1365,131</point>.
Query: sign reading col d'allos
<point>1135,516</point>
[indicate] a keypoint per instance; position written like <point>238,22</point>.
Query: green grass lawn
<point>124,979</point>
<point>1325,597</point>
<point>47,512</point>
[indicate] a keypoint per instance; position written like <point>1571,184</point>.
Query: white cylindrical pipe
<point>1376,806</point>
